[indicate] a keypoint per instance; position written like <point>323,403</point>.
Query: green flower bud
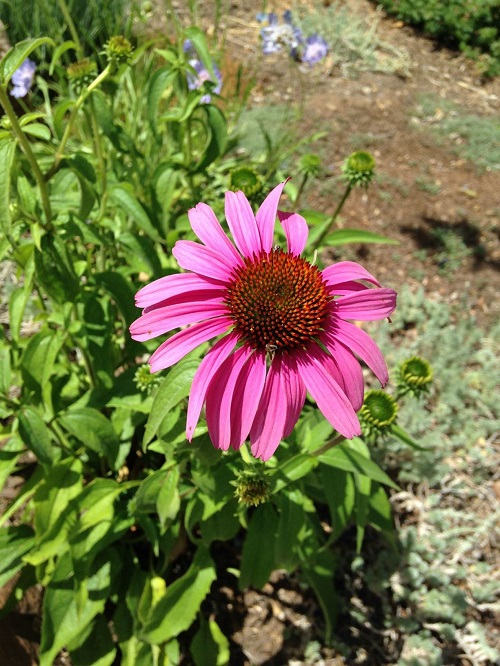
<point>144,379</point>
<point>309,164</point>
<point>377,415</point>
<point>359,168</point>
<point>414,376</point>
<point>246,179</point>
<point>251,488</point>
<point>81,74</point>
<point>118,50</point>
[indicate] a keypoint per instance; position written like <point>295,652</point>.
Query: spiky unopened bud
<point>359,168</point>
<point>377,415</point>
<point>246,179</point>
<point>144,379</point>
<point>118,50</point>
<point>81,74</point>
<point>414,376</point>
<point>310,164</point>
<point>252,488</point>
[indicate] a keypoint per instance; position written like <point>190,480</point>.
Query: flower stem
<point>322,236</point>
<point>79,102</point>
<point>300,190</point>
<point>25,145</point>
<point>329,445</point>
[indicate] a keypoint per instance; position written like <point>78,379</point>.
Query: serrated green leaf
<point>257,561</point>
<point>7,152</point>
<point>15,56</point>
<point>93,430</point>
<point>36,435</point>
<point>173,389</point>
<point>177,609</point>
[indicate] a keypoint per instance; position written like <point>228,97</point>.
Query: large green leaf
<point>4,368</point>
<point>343,457</point>
<point>210,647</point>
<point>177,609</point>
<point>291,520</point>
<point>319,574</point>
<point>36,435</point>
<point>125,199</point>
<point>7,152</point>
<point>9,455</point>
<point>15,56</point>
<point>93,430</point>
<point>61,621</point>
<point>257,560</point>
<point>15,541</point>
<point>62,483</point>
<point>54,270</point>
<point>119,288</point>
<point>95,646</point>
<point>338,486</point>
<point>174,388</point>
<point>159,82</point>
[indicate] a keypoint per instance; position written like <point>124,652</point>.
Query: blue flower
<point>23,78</point>
<point>315,49</point>
<point>276,36</point>
<point>197,81</point>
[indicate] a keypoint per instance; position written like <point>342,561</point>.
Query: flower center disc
<point>278,301</point>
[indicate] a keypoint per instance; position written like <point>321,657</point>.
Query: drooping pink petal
<point>214,358</point>
<point>266,216</point>
<point>203,260</point>
<point>362,345</point>
<point>329,397</point>
<point>242,223</point>
<point>295,393</point>
<point>208,229</point>
<point>368,305</point>
<point>344,271</point>
<point>180,344</point>
<point>267,429</point>
<point>247,395</point>
<point>353,383</point>
<point>296,231</point>
<point>171,285</point>
<point>215,296</point>
<point>346,288</point>
<point>220,396</point>
<point>166,319</point>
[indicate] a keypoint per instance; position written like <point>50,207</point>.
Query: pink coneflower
<point>283,324</point>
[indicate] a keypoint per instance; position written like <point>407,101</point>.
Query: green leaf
<point>54,270</point>
<point>160,80</point>
<point>61,621</point>
<point>36,435</point>
<point>404,437</point>
<point>19,299</point>
<point>319,575</point>
<point>123,197</point>
<point>37,364</point>
<point>59,51</point>
<point>217,139</point>
<point>291,520</point>
<point>93,430</point>
<point>4,368</point>
<point>199,42</point>
<point>343,457</point>
<point>119,288</point>
<point>15,542</point>
<point>9,455</point>
<point>177,609</point>
<point>61,484</point>
<point>7,152</point>
<point>158,493</point>
<point>141,249</point>
<point>338,486</point>
<point>257,561</point>
<point>95,646</point>
<point>173,389</point>
<point>346,236</point>
<point>209,646</point>
<point>291,470</point>
<point>363,492</point>
<point>380,511</point>
<point>15,56</point>
<point>38,130</point>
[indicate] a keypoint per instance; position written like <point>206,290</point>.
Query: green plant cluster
<point>118,514</point>
<point>470,25</point>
